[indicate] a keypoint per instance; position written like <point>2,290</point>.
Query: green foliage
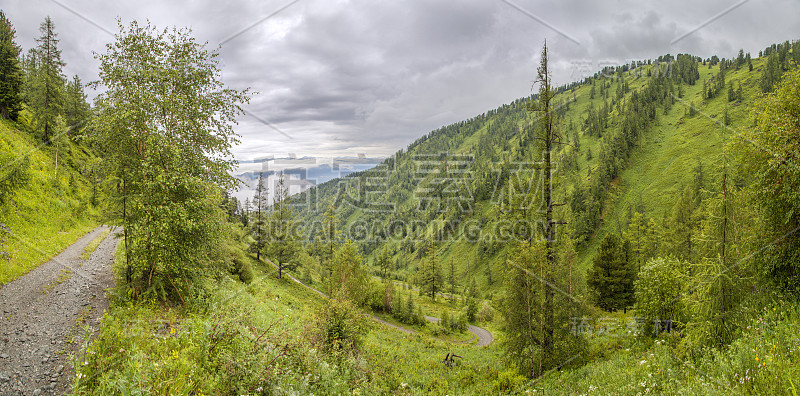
<point>772,160</point>
<point>348,280</point>
<point>40,214</point>
<point>523,308</point>
<point>338,326</point>
<point>430,277</point>
<point>612,275</point>
<point>282,234</point>
<point>771,75</point>
<point>259,217</point>
<point>384,261</point>
<point>46,91</point>
<point>14,174</point>
<point>76,109</point>
<point>659,292</point>
<point>236,343</point>
<point>10,71</point>
<point>164,127</point>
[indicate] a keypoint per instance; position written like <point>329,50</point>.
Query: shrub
<point>658,291</point>
<point>486,313</point>
<point>338,326</point>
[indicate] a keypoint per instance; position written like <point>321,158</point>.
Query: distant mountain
<point>301,173</point>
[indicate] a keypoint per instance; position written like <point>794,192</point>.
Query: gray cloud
<point>343,77</point>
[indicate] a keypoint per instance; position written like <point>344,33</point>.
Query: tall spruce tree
<point>259,214</point>
<point>76,109</point>
<point>47,91</point>
<point>282,245</point>
<point>611,275</point>
<point>536,319</point>
<point>10,71</point>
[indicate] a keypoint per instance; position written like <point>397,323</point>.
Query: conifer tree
<point>611,275</point>
<point>47,101</point>
<point>431,272</point>
<point>282,244</point>
<point>536,318</point>
<point>76,109</point>
<point>10,71</point>
<point>259,223</point>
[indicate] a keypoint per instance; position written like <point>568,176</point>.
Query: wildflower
<point>79,375</point>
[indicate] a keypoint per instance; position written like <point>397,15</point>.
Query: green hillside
<point>44,209</point>
<point>673,267</point>
<point>664,159</point>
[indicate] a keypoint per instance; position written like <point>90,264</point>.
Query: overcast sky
<point>340,78</point>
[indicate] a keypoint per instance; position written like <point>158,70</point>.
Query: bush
<point>658,291</point>
<point>486,313</point>
<point>246,274</point>
<point>374,299</point>
<point>338,326</point>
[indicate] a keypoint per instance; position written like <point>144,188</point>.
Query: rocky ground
<point>45,316</point>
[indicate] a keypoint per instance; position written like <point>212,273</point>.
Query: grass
<point>251,339</point>
<point>765,360</point>
<point>92,246</point>
<point>46,215</point>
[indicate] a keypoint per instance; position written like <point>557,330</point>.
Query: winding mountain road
<point>484,336</point>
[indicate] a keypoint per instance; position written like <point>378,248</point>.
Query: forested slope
<point>639,144</point>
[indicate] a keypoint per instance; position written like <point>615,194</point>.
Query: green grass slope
<point>660,165</point>
<point>46,213</point>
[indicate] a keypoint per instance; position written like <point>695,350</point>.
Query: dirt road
<point>44,313</point>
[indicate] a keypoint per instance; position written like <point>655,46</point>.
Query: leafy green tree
<point>772,161</point>
<point>283,244</point>
<point>659,289</point>
<point>47,101</point>
<point>10,71</point>
<point>349,280</point>
<point>338,326</point>
<point>164,127</point>
<point>611,276</point>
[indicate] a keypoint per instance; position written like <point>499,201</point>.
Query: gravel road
<point>43,315</point>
